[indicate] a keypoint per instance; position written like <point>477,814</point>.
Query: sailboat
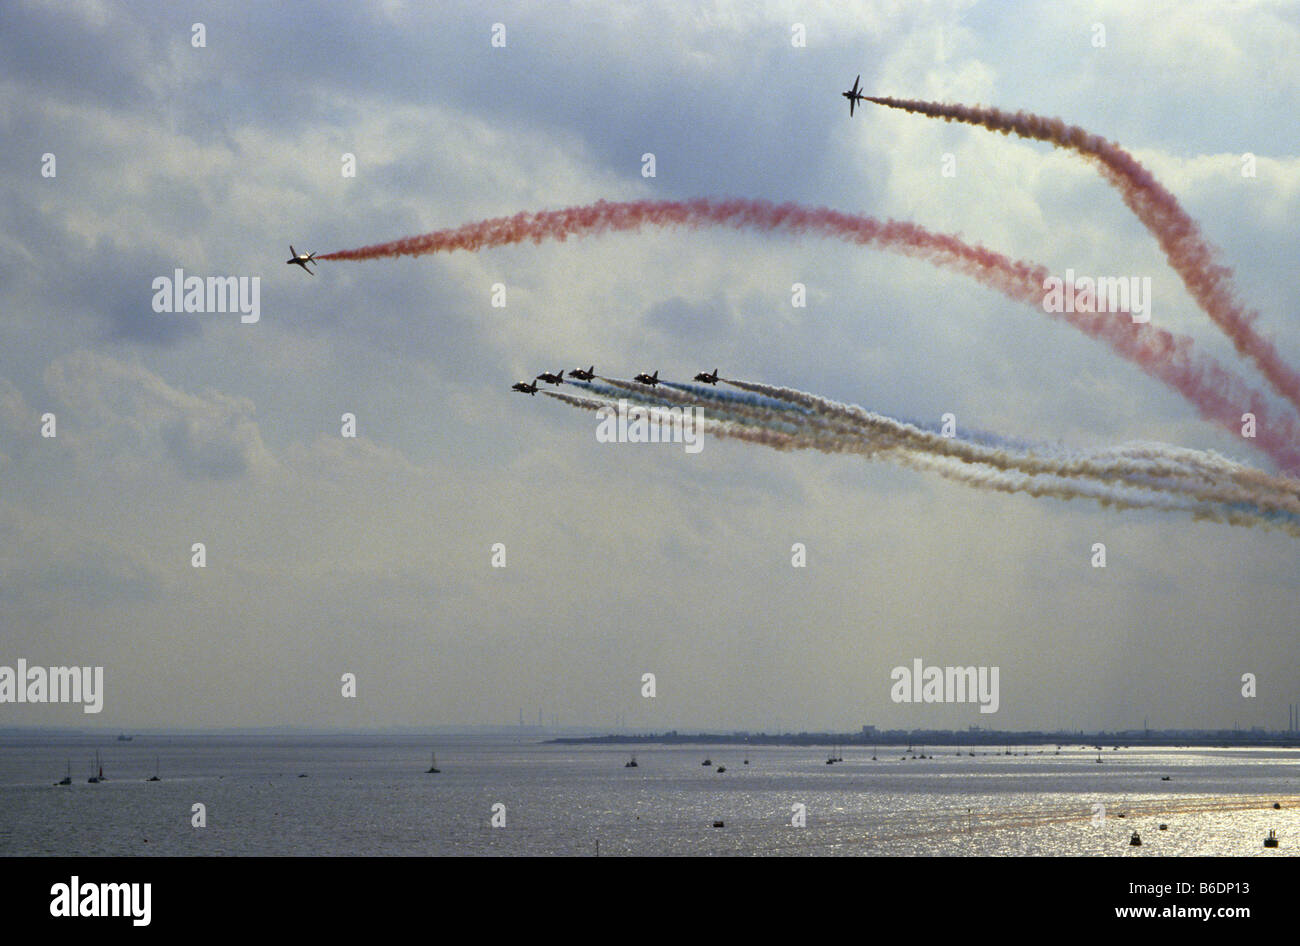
<point>631,763</point>
<point>433,767</point>
<point>67,779</point>
<point>96,770</point>
<point>154,777</point>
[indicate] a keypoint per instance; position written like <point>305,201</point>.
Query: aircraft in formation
<point>854,95</point>
<point>302,259</point>
<point>589,374</point>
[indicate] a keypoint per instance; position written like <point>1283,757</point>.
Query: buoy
<point>1135,841</point>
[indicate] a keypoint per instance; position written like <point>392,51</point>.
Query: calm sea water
<point>370,796</point>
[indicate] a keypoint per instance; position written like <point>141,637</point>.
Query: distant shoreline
<point>1218,739</point>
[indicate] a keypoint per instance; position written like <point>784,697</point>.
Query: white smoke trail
<point>1132,476</point>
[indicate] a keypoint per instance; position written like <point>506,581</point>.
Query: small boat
<point>719,824</point>
<point>1164,827</point>
<point>707,762</point>
<point>433,765</point>
<point>1135,841</point>
<point>722,768</point>
<point>154,777</point>
<point>630,764</point>
<point>1164,778</point>
<point>123,737</point>
<point>747,762</point>
<point>1271,840</point>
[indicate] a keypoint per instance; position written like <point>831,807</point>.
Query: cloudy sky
<point>372,555</point>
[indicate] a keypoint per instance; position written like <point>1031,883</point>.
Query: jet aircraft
<point>853,95</point>
<point>302,259</point>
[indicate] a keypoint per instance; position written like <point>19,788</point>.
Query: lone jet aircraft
<point>302,259</point>
<point>853,95</point>
<point>581,375</point>
<point>650,379</point>
<point>549,378</point>
<point>524,387</point>
<point>708,378</point>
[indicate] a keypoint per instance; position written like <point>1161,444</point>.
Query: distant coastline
<point>1200,738</point>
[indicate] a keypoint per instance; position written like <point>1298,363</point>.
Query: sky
<point>373,555</point>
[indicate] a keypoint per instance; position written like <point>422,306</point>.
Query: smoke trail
<point>825,424</point>
<point>716,395</point>
<point>1217,394</point>
<point>1186,249</point>
<point>843,428</point>
<point>1150,465</point>
<point>771,415</point>
<point>1222,500</point>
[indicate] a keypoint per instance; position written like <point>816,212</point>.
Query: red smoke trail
<point>1217,393</point>
<point>1190,255</point>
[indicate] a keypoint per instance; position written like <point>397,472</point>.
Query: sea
<point>350,795</point>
